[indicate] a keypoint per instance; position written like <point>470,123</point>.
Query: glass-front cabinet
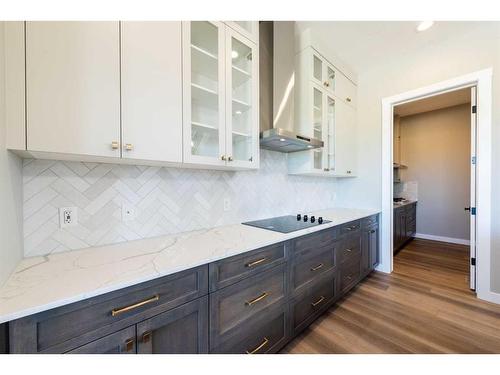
<point>220,96</point>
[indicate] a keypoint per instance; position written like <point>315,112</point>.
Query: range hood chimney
<point>272,136</point>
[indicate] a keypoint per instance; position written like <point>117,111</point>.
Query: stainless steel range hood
<point>272,136</point>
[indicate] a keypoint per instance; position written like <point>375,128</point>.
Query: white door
<point>203,93</point>
<point>73,87</point>
<point>242,101</point>
<point>151,91</point>
<point>473,190</point>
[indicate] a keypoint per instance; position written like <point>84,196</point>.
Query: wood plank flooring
<point>424,306</point>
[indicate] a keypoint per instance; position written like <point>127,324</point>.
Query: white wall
<point>435,146</point>
<point>436,62</point>
<point>11,220</point>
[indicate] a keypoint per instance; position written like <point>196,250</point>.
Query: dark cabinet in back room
<point>405,224</point>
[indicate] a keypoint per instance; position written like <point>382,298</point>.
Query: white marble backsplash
<point>407,190</point>
<point>166,200</point>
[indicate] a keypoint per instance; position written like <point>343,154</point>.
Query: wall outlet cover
<point>128,212</point>
<point>68,217</point>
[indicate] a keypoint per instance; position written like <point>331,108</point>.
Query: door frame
<point>483,81</point>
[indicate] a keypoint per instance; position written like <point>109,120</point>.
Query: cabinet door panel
<point>73,87</point>
<point>345,90</point>
<point>151,91</point>
<point>183,330</point>
<point>121,342</point>
<point>203,92</point>
<point>242,109</point>
<point>345,139</point>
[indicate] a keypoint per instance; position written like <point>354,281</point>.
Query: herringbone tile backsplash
<point>166,200</point>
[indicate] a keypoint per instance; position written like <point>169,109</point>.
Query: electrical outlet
<point>68,217</point>
<point>227,204</point>
<point>128,212</point>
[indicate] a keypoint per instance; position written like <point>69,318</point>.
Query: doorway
<point>434,180</point>
<point>482,80</point>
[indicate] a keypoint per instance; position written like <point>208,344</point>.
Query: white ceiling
<point>361,44</point>
<point>432,103</point>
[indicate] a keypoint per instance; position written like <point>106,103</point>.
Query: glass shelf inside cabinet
<point>204,89</point>
<point>241,91</point>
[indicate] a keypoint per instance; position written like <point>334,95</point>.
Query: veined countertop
<point>45,282</point>
<point>396,205</point>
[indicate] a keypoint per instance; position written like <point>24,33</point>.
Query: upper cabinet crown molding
<point>113,92</point>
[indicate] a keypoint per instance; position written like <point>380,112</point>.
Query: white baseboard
<point>459,241</point>
<point>489,296</point>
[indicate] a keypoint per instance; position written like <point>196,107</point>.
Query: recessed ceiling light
<point>234,54</point>
<point>424,25</point>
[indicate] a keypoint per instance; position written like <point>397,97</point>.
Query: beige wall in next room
<point>435,146</point>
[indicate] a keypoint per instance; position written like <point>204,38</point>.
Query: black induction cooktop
<point>289,223</point>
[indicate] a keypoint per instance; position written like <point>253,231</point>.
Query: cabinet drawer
<point>411,210</point>
<point>368,221</point>
<point>308,265</point>
<point>231,270</point>
<point>306,307</point>
<point>65,328</point>
<point>266,335</point>
<point>350,249</point>
<point>349,228</point>
<point>232,306</point>
<point>349,275</point>
<point>315,240</point>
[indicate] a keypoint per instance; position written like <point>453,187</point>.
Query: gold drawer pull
<point>121,310</point>
<point>348,99</point>
<point>256,299</point>
<point>317,267</point>
<point>129,345</point>
<point>321,299</point>
<point>146,336</point>
<point>264,343</point>
<point>254,263</point>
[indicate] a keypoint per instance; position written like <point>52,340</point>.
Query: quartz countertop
<point>406,203</point>
<point>45,282</point>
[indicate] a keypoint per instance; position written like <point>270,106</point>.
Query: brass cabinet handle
<point>349,277</point>
<point>264,343</point>
<point>256,262</point>
<point>321,299</point>
<point>129,345</point>
<point>348,99</point>
<point>372,231</point>
<point>129,146</point>
<point>256,299</point>
<point>146,336</point>
<point>223,157</point>
<point>317,267</point>
<point>115,145</point>
<point>348,250</point>
<point>122,310</point>
<point>326,169</point>
<point>349,172</point>
<point>230,158</point>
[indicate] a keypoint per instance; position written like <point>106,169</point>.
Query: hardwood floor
<point>424,306</point>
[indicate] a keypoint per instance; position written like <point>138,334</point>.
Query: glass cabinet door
<point>329,78</point>
<point>318,127</point>
<point>241,100</point>
<point>330,136</point>
<point>317,69</point>
<point>204,81</point>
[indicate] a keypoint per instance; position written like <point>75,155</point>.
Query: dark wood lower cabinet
<point>258,301</point>
<point>121,342</point>
<point>183,330</point>
<point>405,224</point>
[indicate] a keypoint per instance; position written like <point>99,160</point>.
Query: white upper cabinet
<point>325,102</point>
<point>249,29</point>
<point>151,89</point>
<point>220,79</point>
<point>73,87</point>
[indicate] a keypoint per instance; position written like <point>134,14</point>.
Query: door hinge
<point>473,160</point>
<point>473,210</point>
<point>473,261</point>
<point>474,108</point>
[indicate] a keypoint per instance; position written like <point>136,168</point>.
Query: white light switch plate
<point>68,217</point>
